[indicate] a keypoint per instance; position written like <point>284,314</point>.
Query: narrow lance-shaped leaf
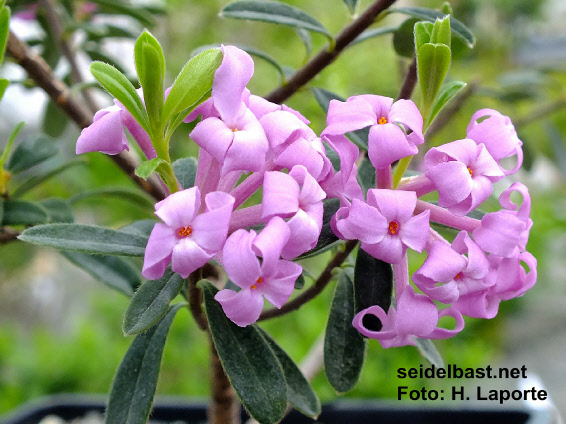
<point>373,33</point>
<point>273,12</point>
<point>115,272</point>
<point>122,89</point>
<point>145,169</point>
<point>4,30</point>
<point>448,92</point>
<point>134,386</point>
<point>38,179</point>
<point>428,350</point>
<point>54,120</point>
<point>433,61</point>
<point>441,32</point>
<point>58,210</point>
<point>151,302</point>
<point>23,212</point>
<point>300,393</point>
<point>185,170</point>
<point>4,83</point>
<point>351,4</point>
<point>306,39</point>
<point>430,15</point>
<point>373,285</point>
<point>404,38</point>
<point>133,195</point>
<point>126,8</point>
<point>86,239</point>
<point>24,155</point>
<point>249,363</point>
<point>344,347</point>
<point>150,66</point>
<point>193,83</point>
<point>422,33</point>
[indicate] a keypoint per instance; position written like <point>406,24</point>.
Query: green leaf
<point>249,363</point>
<point>557,145</point>
<point>430,15</point>
<point>373,33</point>
<point>122,89</point>
<point>327,237</point>
<point>124,8</point>
<point>96,55</point>
<point>273,12</point>
<point>185,170</point>
<point>306,39</point>
<point>54,120</point>
<point>4,83</point>
<point>58,210</point>
<point>428,350</point>
<point>193,83</point>
<point>299,391</point>
<point>4,30</point>
<point>423,33</point>
<point>145,169</point>
<point>38,179</point>
<point>150,66</point>
<point>404,38</point>
<point>441,32</point>
<point>134,386</point>
<point>1,210</point>
<point>344,346</point>
<point>143,227</point>
<point>323,97</point>
<point>150,302</point>
<point>117,273</point>
<point>433,61</point>
<point>351,5</point>
<point>449,90</point>
<point>373,284</point>
<point>300,282</point>
<point>23,212</point>
<point>266,57</point>
<point>366,175</point>
<point>134,195</point>
<point>86,239</point>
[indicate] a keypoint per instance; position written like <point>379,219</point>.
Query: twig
<point>195,300</point>
<point>446,114</point>
<point>42,74</point>
<point>541,112</point>
<point>322,281</point>
<point>7,235</point>
<point>410,81</point>
<point>57,28</point>
<point>325,57</point>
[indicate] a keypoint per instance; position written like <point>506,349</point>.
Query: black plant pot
<point>344,412</point>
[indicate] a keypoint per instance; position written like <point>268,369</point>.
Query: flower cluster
<point>273,146</point>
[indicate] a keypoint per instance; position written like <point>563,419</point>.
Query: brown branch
<point>58,31</point>
<point>195,300</point>
<point>322,281</point>
<point>541,112</point>
<point>7,235</point>
<point>326,57</point>
<point>410,81</point>
<point>42,74</point>
<point>446,114</point>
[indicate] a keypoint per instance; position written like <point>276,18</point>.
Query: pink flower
<point>231,133</point>
<point>415,316</point>
<point>297,196</point>
<point>272,279</point>
<point>395,128</point>
<point>498,135</point>
<point>385,224</point>
<point>463,173</point>
<point>188,238</point>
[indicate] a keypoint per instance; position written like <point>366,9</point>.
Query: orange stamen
<point>185,231</point>
<point>382,121</point>
<point>393,227</point>
<point>470,171</point>
<point>259,281</point>
<point>234,129</point>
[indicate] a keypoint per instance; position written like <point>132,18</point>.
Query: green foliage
<point>36,180</point>
<point>249,363</point>
<point>145,169</point>
<point>134,386</point>
<point>373,285</point>
<point>85,239</point>
<point>273,12</point>
<point>185,170</point>
<point>150,302</point>
<point>327,237</point>
<point>134,195</point>
<point>448,92</point>
<point>23,212</point>
<point>115,272</point>
<point>352,5</point>
<point>120,87</point>
<point>4,29</point>
<point>428,350</point>
<point>344,347</point>
<point>193,84</point>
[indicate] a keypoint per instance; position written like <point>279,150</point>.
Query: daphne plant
<point>268,191</point>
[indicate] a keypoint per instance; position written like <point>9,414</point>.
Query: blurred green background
<point>61,332</point>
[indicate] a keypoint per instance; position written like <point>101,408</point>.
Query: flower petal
<point>239,259</point>
<point>344,117</point>
<point>188,257</point>
<point>243,307</point>
<point>280,195</point>
<point>390,249</point>
<point>279,287</point>
<point>211,227</point>
<point>178,209</point>
<point>394,205</point>
<point>269,243</point>
<point>388,143</point>
<point>414,232</point>
<point>214,136</point>
<point>248,148</point>
<point>104,135</point>
<point>416,314</point>
<point>304,233</point>
<point>363,223</point>
<point>160,245</point>
<point>406,112</point>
